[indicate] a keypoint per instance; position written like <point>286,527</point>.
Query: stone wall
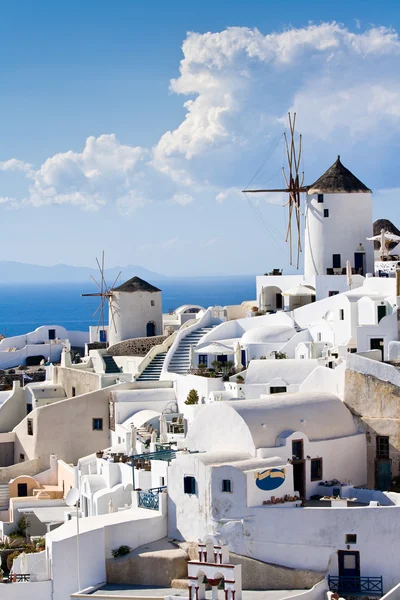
<point>136,346</point>
<point>375,405</point>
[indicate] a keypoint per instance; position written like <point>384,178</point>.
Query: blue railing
<point>150,498</point>
<point>356,586</point>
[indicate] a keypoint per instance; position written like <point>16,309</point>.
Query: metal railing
<point>356,586</point>
<point>148,500</point>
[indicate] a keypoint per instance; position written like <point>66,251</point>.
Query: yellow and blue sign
<point>270,479</point>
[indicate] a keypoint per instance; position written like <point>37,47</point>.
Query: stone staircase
<point>180,361</point>
<point>153,370</point>
<point>111,365</point>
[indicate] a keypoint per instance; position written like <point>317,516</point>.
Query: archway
<point>271,298</point>
<point>150,329</point>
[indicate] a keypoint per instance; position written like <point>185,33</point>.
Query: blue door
<point>349,571</point>
<point>150,329</point>
<point>103,335</point>
<point>383,474</point>
<point>243,359</point>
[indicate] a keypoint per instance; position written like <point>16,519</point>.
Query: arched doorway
<point>150,329</point>
<point>271,298</point>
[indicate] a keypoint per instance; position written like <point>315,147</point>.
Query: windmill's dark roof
<point>387,226</point>
<point>136,285</point>
<point>337,180</point>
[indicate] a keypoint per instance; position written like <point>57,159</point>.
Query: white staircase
<point>180,361</point>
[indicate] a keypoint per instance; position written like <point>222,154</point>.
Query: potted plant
<point>99,454</point>
<point>254,308</point>
<point>239,379</point>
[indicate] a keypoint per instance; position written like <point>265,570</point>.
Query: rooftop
<point>338,180</point>
<point>136,284</point>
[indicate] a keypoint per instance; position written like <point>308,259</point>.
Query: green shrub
<point>121,551</point>
<point>193,397</point>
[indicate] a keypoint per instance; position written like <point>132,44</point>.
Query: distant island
<point>16,272</point>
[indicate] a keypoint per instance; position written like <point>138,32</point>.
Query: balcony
<point>356,586</point>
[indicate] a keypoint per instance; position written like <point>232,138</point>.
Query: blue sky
<point>110,142</point>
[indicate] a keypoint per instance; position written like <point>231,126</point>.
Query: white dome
<point>246,425</point>
<point>268,334</point>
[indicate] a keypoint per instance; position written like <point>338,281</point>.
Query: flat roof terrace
<point>127,592</point>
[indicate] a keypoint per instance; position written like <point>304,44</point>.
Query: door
<point>222,358</point>
<point>299,478</point>
<point>150,329</point>
<point>103,335</point>
<point>22,490</point>
<point>383,474</point>
<point>359,263</point>
<point>349,567</point>
<point>381,312</point>
<point>243,358</point>
<point>376,344</point>
<point>279,301</point>
<point>52,334</point>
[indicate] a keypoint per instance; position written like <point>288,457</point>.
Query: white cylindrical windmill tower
<point>338,221</point>
<point>135,311</point>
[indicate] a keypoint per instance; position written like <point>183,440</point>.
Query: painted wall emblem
<point>270,479</point>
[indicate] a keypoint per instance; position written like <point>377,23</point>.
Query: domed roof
<point>247,425</point>
<point>136,285</point>
<point>337,180</point>
<point>267,334</point>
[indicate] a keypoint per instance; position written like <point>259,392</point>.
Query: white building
<point>338,221</point>
<point>135,310</point>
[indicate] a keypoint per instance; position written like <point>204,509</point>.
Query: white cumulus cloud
<point>237,86</point>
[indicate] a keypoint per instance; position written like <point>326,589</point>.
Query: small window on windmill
<point>152,303</point>
<point>326,212</point>
<point>320,198</point>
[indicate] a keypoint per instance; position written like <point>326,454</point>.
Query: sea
<point>24,307</point>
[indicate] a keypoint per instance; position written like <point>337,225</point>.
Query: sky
<point>132,126</point>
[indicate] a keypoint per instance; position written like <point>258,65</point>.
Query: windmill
<point>105,293</point>
<point>294,187</point>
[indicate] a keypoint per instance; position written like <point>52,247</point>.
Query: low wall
<point>40,590</point>
<point>135,346</point>
<point>258,575</point>
<point>29,467</point>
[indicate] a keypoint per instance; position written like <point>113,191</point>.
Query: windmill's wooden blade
<point>112,316</point>
<point>264,191</point>
<point>103,282</point>
<point>93,279</point>
<point>96,294</point>
<point>115,280</point>
<point>99,307</point>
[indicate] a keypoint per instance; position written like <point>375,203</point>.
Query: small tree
<point>193,397</point>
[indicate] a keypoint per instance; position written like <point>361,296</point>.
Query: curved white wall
<point>132,311</point>
<point>349,224</point>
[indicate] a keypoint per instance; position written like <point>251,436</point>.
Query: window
<point>73,391</point>
<point>203,359</point>
<point>336,261</point>
<point>277,389</point>
<point>320,198</point>
<point>341,314</point>
<point>152,303</point>
<point>297,450</point>
<point>52,334</point>
<point>97,425</point>
<point>21,457</point>
<point>28,408</point>
<point>351,538</point>
<point>326,212</point>
<point>189,484</point>
<point>30,426</point>
<point>319,337</point>
<point>332,293</point>
<point>382,446</point>
<point>316,469</point>
<point>162,481</point>
<point>227,486</point>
